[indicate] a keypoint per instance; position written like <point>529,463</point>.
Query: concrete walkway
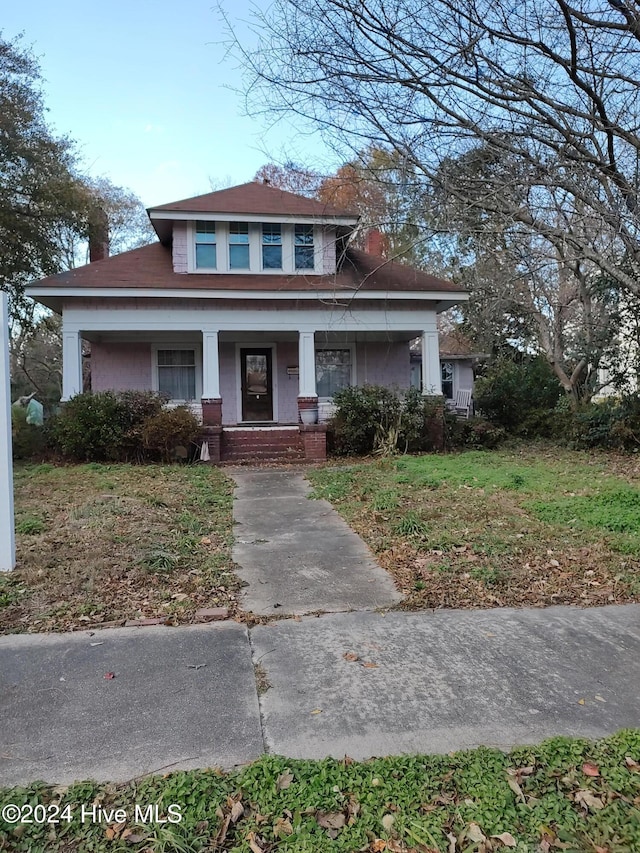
<point>423,682</point>
<point>297,555</point>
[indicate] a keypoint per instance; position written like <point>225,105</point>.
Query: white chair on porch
<point>463,403</point>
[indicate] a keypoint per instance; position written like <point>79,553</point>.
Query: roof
<point>151,268</point>
<point>454,346</point>
<point>254,198</point>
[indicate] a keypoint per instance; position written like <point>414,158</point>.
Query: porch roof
<point>150,268</point>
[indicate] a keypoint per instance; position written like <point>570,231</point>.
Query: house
<point>459,360</point>
<point>253,308</point>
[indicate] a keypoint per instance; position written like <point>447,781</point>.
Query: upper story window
<point>206,245</point>
<point>271,246</point>
<point>303,247</point>
<point>239,246</point>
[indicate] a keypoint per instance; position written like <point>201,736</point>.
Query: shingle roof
<point>151,267</point>
<point>255,198</point>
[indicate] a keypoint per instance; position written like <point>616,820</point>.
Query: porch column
<point>431,376</point>
<point>71,364</point>
<point>307,394</point>
<point>211,399</point>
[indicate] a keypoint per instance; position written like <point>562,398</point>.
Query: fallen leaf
<point>378,846</point>
<point>284,780</point>
<point>237,810</point>
<point>507,839</point>
<point>580,701</point>
<point>588,800</point>
<point>331,820</point>
<point>97,644</point>
<point>590,770</point>
<point>453,842</point>
<point>109,675</point>
<point>282,827</point>
<point>369,665</point>
<point>350,656</point>
<point>179,596</point>
<point>631,763</point>
<point>517,790</point>
<point>599,698</point>
<point>474,833</point>
<point>205,540</point>
<point>554,563</point>
<point>255,843</point>
<point>317,711</point>
<point>134,838</point>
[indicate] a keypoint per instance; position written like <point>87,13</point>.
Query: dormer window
<point>303,247</point>
<point>206,245</point>
<point>239,246</point>
<point>271,246</point>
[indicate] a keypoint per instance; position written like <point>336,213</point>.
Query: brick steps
<point>239,445</point>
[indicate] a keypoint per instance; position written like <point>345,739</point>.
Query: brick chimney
<point>375,243</point>
<point>98,233</point>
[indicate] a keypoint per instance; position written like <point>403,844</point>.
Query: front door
<point>256,384</point>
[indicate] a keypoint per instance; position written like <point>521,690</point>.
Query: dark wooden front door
<point>256,383</point>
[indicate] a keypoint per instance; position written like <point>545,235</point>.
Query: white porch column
<point>71,364</point>
<point>210,366</point>
<point>7,523</point>
<point>431,375</point>
<point>307,365</point>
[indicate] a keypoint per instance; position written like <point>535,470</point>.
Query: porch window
<point>238,245</point>
<point>206,245</point>
<point>446,369</point>
<point>303,247</point>
<point>271,247</point>
<point>333,371</point>
<point>177,373</point>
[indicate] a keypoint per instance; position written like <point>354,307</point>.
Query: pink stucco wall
<point>383,363</point>
<point>120,367</point>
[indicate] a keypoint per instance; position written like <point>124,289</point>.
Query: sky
<point>145,89</point>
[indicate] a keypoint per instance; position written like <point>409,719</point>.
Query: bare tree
<point>554,85</point>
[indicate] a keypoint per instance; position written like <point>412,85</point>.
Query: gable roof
<point>151,268</point>
<point>254,198</point>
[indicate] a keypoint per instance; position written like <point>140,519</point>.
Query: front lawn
<point>528,526</point>
<point>100,544</point>
<point>566,794</point>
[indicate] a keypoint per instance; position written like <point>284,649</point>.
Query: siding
<point>120,367</point>
<point>383,363</point>
<point>180,249</point>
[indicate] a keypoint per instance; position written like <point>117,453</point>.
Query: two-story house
<point>253,308</point>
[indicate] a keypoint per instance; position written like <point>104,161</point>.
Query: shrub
<point>28,440</point>
<point>170,434</point>
<point>476,433</point>
<point>104,426</point>
<point>612,423</point>
<point>519,396</point>
<point>375,419</point>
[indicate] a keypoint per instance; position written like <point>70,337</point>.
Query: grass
<point>565,794</point>
<point>99,544</point>
<point>531,525</point>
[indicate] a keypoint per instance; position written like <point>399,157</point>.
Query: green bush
<point>613,423</point>
<point>520,397</point>
<point>170,434</point>
<point>474,433</point>
<point>105,426</point>
<point>28,440</point>
<point>375,419</point>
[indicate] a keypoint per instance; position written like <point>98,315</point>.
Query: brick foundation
<point>255,445</point>
<point>212,411</point>
<point>212,435</point>
<point>314,439</point>
<point>307,403</point>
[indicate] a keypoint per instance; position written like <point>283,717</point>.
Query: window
<point>303,247</point>
<point>271,247</point>
<point>333,371</point>
<point>238,246</point>
<point>205,245</point>
<point>177,373</point>
<point>446,374</point>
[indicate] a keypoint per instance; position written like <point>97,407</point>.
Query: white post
<point>210,366</point>
<point>307,365</point>
<point>431,375</point>
<point>7,521</point>
<point>71,365</point>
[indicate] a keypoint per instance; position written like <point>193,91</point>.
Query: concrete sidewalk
<point>186,697</point>
<point>298,555</point>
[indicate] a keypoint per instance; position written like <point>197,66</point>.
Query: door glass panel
<point>257,397</point>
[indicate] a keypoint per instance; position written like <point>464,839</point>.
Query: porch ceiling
<point>146,336</point>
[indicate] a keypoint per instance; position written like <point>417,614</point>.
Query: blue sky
<point>142,86</point>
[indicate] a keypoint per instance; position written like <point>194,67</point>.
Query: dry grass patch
<point>99,544</point>
<point>532,526</point>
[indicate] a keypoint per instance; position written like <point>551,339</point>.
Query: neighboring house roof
<point>454,346</point>
<point>151,268</point>
<point>256,199</point>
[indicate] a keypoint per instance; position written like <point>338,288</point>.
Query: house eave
<point>190,216</point>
